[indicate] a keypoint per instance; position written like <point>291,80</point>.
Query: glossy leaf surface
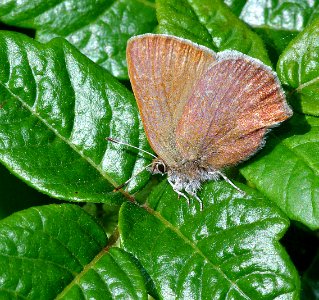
<point>38,246</point>
<point>57,251</point>
<point>236,5</point>
<point>57,108</point>
<point>277,21</point>
<point>98,28</point>
<point>286,170</point>
<point>112,275</point>
<point>230,250</point>
<point>209,23</point>
<point>298,67</point>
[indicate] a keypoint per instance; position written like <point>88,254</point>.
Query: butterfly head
<point>186,173</point>
<point>158,166</point>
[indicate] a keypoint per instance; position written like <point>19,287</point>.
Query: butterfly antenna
<point>129,145</point>
<point>231,183</point>
<point>127,181</point>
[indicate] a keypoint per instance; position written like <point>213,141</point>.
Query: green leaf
<point>112,275</point>
<point>57,108</point>
<point>236,6</point>
<point>42,252</point>
<point>286,170</point>
<point>298,67</point>
<point>59,251</point>
<point>229,250</point>
<point>277,21</point>
<point>209,23</point>
<point>98,28</point>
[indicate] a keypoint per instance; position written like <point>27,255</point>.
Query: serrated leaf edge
<point>169,225</point>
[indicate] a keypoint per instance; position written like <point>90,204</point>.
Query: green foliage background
<point>64,232</point>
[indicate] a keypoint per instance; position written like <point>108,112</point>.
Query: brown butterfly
<point>201,111</point>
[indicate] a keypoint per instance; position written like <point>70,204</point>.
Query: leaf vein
<point>128,281</point>
<point>170,226</point>
<point>65,140</point>
<point>198,18</point>
<point>32,259</point>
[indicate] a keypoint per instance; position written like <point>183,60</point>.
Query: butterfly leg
<point>193,194</point>
<point>180,194</point>
<point>231,183</point>
<point>176,190</point>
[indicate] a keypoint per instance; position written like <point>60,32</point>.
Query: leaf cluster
<point>65,232</point>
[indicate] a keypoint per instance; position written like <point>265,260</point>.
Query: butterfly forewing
<point>234,103</point>
<point>163,71</point>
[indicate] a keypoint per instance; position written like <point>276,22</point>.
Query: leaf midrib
<point>147,3</point>
<point>296,154</point>
<point>65,140</point>
<point>90,266</point>
<point>169,225</point>
<point>306,84</point>
<point>199,21</point>
<point>97,16</point>
<point>78,28</point>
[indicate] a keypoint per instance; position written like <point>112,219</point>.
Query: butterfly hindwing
<point>230,110</point>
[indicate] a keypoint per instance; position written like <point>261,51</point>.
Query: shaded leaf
<point>60,249</point>
<point>302,244</point>
<point>209,23</point>
<point>286,170</point>
<point>310,281</point>
<point>57,108</point>
<point>298,67</point>
<point>230,250</point>
<point>98,28</point>
<point>16,195</point>
<point>278,21</point>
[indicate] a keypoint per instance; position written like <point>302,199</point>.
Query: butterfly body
<point>188,176</point>
<point>201,111</point>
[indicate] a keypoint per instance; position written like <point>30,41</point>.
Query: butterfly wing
<point>163,71</point>
<point>230,110</point>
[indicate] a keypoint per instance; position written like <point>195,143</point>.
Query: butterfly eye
<point>161,168</point>
<point>158,167</point>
